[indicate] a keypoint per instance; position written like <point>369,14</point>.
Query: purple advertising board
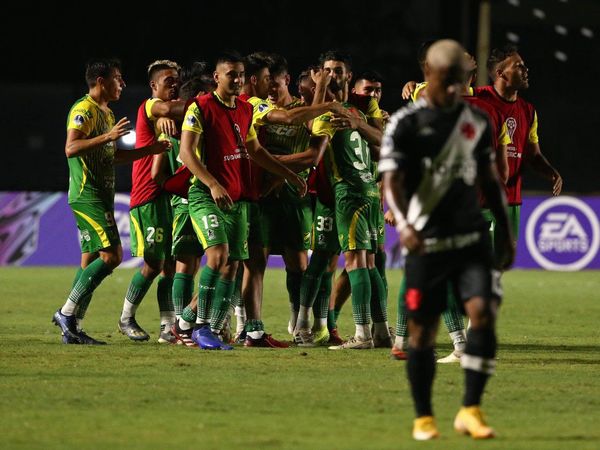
<point>38,229</point>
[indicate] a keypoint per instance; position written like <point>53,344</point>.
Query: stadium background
<point>44,52</point>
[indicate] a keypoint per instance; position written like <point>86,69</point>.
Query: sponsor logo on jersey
<point>563,233</point>
<point>78,120</point>
<point>190,120</point>
<point>262,107</point>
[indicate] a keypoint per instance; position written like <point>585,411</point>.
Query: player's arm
<point>264,159</point>
<point>408,89</point>
<point>502,162</point>
<point>173,109</point>
<point>158,172</point>
<point>78,144</point>
<point>187,152</point>
<point>372,134</point>
<point>539,163</point>
<point>302,114</point>
<point>127,156</point>
<point>310,157</point>
<point>322,79</point>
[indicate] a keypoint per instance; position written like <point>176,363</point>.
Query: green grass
<point>147,396</point>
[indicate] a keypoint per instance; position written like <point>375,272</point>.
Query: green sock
<point>331,320</point>
<point>137,288</point>
<point>380,259</point>
<point>89,280</point>
<point>83,304</point>
<point>164,289</point>
<point>293,281</point>
<point>312,278</point>
<point>221,302</point>
<point>378,297</point>
<point>452,316</point>
<point>321,307</point>
<point>188,314</point>
<point>206,290</point>
<point>254,325</point>
<point>402,320</point>
<point>183,288</point>
<point>361,295</point>
<point>236,298</point>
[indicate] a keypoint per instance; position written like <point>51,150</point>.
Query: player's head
<point>472,63</point>
<point>200,85</point>
<point>229,73</point>
<point>340,66</point>
<point>105,74</point>
<point>280,77</point>
<point>163,75</point>
<point>506,66</point>
<point>195,70</point>
<point>446,68</point>
<point>369,83</point>
<point>306,86</point>
<point>258,76</point>
<point>422,53</point>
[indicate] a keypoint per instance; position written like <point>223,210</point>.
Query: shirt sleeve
<point>148,107</point>
<point>392,153</point>
<point>260,109</point>
<point>533,136</point>
<point>417,92</point>
<point>192,120</point>
<point>373,110</point>
<point>251,134</point>
<point>322,126</point>
<point>82,119</point>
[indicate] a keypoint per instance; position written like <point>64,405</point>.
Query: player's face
<point>515,72</point>
<point>306,89</point>
<point>166,85</point>
<point>278,88</point>
<point>370,88</point>
<point>113,85</point>
<point>262,82</point>
<point>230,78</point>
<point>339,72</point>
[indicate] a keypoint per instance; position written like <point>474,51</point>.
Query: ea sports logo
<point>563,234</point>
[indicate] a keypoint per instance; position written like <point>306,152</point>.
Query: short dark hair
<point>369,75</point>
<point>192,87</point>
<point>422,52</point>
<point>231,56</point>
<point>303,76</point>
<point>336,55</point>
<point>279,65</point>
<point>161,64</point>
<point>497,55</point>
<point>195,70</point>
<point>100,67</point>
<point>255,62</point>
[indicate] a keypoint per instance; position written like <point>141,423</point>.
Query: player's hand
<point>411,239</point>
<point>557,183</point>
<point>167,126</point>
<point>221,196</point>
<point>342,123</point>
<point>121,128</point>
<point>389,218</point>
<point>296,180</point>
<point>160,147</point>
<point>408,89</point>
<point>339,110</point>
<point>320,76</point>
<point>385,116</point>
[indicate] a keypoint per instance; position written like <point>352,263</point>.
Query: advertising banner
<point>38,229</point>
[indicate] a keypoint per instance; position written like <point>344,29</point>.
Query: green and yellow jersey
<point>92,176</point>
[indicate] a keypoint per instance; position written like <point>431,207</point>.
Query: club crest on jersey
<point>78,120</point>
<point>190,120</point>
<point>210,234</point>
<point>262,107</point>
<point>468,130</point>
<point>511,126</point>
<point>414,297</point>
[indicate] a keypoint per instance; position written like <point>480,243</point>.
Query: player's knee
<point>112,258</point>
<point>481,342</point>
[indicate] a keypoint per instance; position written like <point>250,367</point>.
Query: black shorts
<point>467,270</point>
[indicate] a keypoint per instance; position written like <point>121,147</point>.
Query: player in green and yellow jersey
<point>92,153</point>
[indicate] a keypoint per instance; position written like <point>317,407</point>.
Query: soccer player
<point>217,142</point>
<point>92,153</point>
<point>150,214</point>
<point>431,181</point>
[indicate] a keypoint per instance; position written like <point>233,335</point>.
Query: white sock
<point>240,318</point>
<point>256,334</point>
<point>185,325</point>
<point>129,310</point>
<point>293,316</point>
<point>68,308</point>
<point>363,332</point>
<point>381,329</point>
<point>400,342</point>
<point>459,340</point>
<point>167,319</point>
<point>320,323</point>
<point>303,320</point>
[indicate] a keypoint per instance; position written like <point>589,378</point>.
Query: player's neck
<point>284,100</point>
<point>505,92</point>
<point>226,98</point>
<point>96,94</point>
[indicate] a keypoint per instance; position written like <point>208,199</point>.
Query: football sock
<point>293,282</point>
<point>361,296</point>
<point>183,289</point>
<point>135,293</point>
<point>378,297</point>
<point>221,302</point>
<point>206,290</point>
<point>311,279</point>
<point>402,318</point>
<point>420,368</point>
<point>452,316</point>
<point>255,328</point>
<point>479,363</point>
<point>380,259</point>
<point>321,306</point>
<point>187,319</point>
<point>331,320</point>
<point>164,291</point>
<point>89,280</point>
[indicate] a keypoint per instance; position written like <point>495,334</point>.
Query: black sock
<point>479,363</point>
<point>421,370</point>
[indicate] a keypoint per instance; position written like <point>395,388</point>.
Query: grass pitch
<point>546,393</point>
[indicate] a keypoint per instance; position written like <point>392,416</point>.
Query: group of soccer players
<point>223,160</point>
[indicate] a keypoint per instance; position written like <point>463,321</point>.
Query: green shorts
<point>185,241</point>
<point>214,226</point>
<point>355,222</point>
<point>151,228</point>
<point>96,224</point>
<point>286,222</point>
<point>514,218</point>
<point>255,236</point>
<point>324,230</point>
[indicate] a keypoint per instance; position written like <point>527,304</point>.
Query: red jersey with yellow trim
<point>520,119</point>
<point>224,132</point>
<point>143,188</point>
